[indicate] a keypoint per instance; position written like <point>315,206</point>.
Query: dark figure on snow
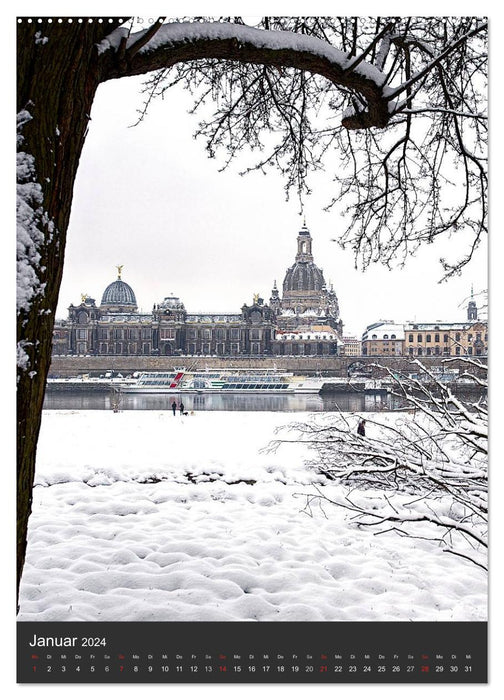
<point>174,407</point>
<point>181,408</point>
<point>361,428</point>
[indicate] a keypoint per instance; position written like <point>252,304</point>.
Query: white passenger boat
<point>222,381</point>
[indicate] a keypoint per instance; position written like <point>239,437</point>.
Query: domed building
<point>118,297</point>
<point>307,315</point>
<point>304,321</point>
<point>115,327</point>
<point>305,293</point>
<point>304,276</point>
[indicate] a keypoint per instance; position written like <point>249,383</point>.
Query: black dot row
<point>80,20</point>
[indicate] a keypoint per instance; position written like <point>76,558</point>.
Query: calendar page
<point>252,424</point>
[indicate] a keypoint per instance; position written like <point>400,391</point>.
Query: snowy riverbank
<point>145,516</point>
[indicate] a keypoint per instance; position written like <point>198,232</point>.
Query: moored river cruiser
<point>222,381</point>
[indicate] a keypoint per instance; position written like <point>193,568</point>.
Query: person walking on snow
<point>181,408</point>
<point>174,407</point>
<point>361,429</point>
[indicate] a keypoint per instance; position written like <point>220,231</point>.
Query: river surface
<point>355,401</point>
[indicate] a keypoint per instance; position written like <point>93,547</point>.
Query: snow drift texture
<point>147,516</point>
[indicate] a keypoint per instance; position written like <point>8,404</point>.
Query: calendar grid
<point>244,652</point>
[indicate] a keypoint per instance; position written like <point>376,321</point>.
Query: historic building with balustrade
<point>302,320</point>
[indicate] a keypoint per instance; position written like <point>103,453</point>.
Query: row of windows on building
<point>131,342</point>
<point>428,337</point>
<point>446,351</point>
<point>169,334</point>
<point>136,340</point>
<point>437,350</point>
<point>446,337</point>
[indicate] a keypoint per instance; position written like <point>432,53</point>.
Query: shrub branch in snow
<point>428,468</point>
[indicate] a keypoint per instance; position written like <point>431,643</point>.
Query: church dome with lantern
<point>306,297</point>
<point>119,294</point>
<point>304,275</point>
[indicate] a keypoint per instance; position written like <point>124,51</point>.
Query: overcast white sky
<point>149,198</point>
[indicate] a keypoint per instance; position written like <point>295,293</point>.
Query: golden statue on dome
<point>119,270</point>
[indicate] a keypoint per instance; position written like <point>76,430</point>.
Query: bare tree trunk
<point>56,87</point>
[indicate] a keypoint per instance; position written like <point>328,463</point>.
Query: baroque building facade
<point>304,320</point>
<point>446,339</point>
<point>436,339</point>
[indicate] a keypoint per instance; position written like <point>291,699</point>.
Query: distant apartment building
<point>383,338</point>
<point>352,346</point>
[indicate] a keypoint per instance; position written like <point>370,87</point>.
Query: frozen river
<point>354,401</point>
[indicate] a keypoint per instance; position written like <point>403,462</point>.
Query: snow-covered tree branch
<point>391,107</point>
<point>422,470</point>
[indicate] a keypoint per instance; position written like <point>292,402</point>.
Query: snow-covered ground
<point>141,515</point>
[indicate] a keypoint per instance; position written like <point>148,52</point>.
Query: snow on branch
<point>177,34</point>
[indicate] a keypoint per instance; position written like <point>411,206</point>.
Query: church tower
<point>304,243</point>
<point>275,302</point>
<point>307,318</point>
<point>306,298</point>
<point>472,309</point>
